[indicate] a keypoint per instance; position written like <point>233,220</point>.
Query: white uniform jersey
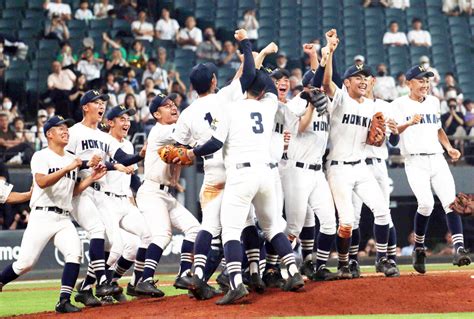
<point>422,137</point>
<point>117,182</point>
<point>155,169</point>
<point>60,194</point>
<point>247,130</point>
<point>85,142</point>
<point>380,151</point>
<point>5,190</point>
<point>283,119</point>
<point>350,122</point>
<point>198,121</point>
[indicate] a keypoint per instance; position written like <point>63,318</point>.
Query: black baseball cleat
<point>106,289</point>
<point>294,283</point>
<point>65,306</point>
<point>87,298</point>
<point>201,289</point>
<point>117,290</point>
<point>354,268</point>
<point>233,295</point>
<point>131,290</point>
<point>419,259</point>
<point>223,282</point>
<point>184,282</point>
<point>256,283</point>
<point>148,288</point>
<point>273,279</point>
<point>344,272</point>
<point>323,274</point>
<point>107,300</point>
<point>307,268</point>
<point>121,298</point>
<point>384,265</point>
<point>461,258</point>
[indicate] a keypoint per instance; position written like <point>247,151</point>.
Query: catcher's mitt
<point>317,98</point>
<point>168,153</point>
<point>463,204</point>
<point>376,135</point>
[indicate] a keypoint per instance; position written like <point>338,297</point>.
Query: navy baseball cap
<point>280,73</point>
<point>56,121</point>
<point>119,110</point>
<point>418,72</point>
<point>201,76</point>
<point>158,101</point>
<point>357,69</point>
<point>91,96</point>
<point>258,84</point>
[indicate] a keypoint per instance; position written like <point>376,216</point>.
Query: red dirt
<point>432,293</point>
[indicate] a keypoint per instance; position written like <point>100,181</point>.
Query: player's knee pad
<point>425,208</point>
<point>344,231</point>
<point>382,219</point>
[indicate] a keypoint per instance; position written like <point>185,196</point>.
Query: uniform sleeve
<point>297,106</point>
<point>221,130</point>
<point>5,190</point>
<point>337,100</point>
<point>182,132</point>
<point>164,135</point>
<point>39,164</point>
<point>231,92</point>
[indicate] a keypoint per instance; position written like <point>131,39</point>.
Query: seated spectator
<point>450,84</point>
<point>83,13</point>
<point>359,59</point>
<point>126,90</point>
<point>163,62</point>
<point>210,48</point>
<point>88,43</point>
<point>60,82</point>
<point>166,28</point>
<point>175,83</point>
<point>130,102</point>
<point>80,87</point>
<point>51,110</point>
<point>250,23</point>
<point>21,132</point>
<point>370,249</point>
<point>141,29</point>
<point>407,250</point>
<point>102,8</point>
<point>56,29</point>
<point>466,6</point>
<point>20,221</point>
<point>59,8</point>
<point>453,122</point>
<point>402,87</point>
<point>228,56</point>
<point>111,86</point>
<point>281,60</point>
<point>394,37</point>
<point>40,139</point>
<point>469,116</point>
<point>10,145</point>
<point>446,248</point>
<point>4,59</point>
<point>66,57</point>
<point>417,36</point>
<point>109,45</point>
<point>137,56</point>
<point>190,36</point>
<point>126,11</point>
<point>147,119</point>
<point>384,87</point>
<point>10,108</point>
<point>90,67</point>
<point>158,75</point>
<point>149,87</point>
<point>117,65</point>
<point>399,4</point>
<point>375,3</point>
<point>132,79</point>
<point>434,80</point>
<point>451,7</point>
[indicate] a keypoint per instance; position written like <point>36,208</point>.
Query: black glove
<point>317,98</point>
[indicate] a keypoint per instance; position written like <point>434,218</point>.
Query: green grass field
<point>30,297</point>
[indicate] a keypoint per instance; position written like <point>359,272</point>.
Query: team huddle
<point>263,155</point>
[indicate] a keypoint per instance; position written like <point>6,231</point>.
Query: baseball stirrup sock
<point>283,247</point>
<point>272,256</point>
<point>139,265</point>
<point>421,226</point>
<point>263,262</point>
<point>202,247</point>
<point>233,256</point>
<point>121,268</point>
<point>251,243</point>
<point>97,258</point>
<point>392,244</point>
<point>307,242</point>
<point>8,274</point>
<point>324,248</point>
<point>381,240</point>
<point>186,259</point>
<point>455,227</point>
<point>214,257</point>
<point>355,242</point>
<point>90,278</point>
<point>343,250</point>
<point>70,273</point>
<point>153,255</point>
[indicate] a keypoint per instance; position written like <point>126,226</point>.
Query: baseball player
<point>246,132</point>
<point>422,140</point>
<point>159,208</point>
<point>55,174</point>
<point>9,197</point>
<point>350,115</point>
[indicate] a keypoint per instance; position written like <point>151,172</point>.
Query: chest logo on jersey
<point>354,119</point>
<point>94,144</point>
<point>70,175</point>
<point>427,119</point>
<point>320,126</point>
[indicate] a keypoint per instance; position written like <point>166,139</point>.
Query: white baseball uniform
<point>5,190</point>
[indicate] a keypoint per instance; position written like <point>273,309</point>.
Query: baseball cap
<point>119,110</point>
<point>201,76</point>
<point>357,69</point>
<point>42,113</point>
<point>258,84</point>
<point>280,73</point>
<point>418,72</point>
<point>281,55</point>
<point>158,101</point>
<point>91,96</point>
<point>56,121</point>
<point>359,57</point>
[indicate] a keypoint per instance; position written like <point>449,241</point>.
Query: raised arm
<point>248,72</point>
<point>47,180</point>
<point>328,84</point>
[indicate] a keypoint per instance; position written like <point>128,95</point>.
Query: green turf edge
<point>448,315</point>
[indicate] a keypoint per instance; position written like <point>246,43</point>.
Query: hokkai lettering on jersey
<point>71,174</point>
<point>427,119</point>
<point>355,119</point>
<point>278,128</point>
<point>95,144</point>
<point>320,126</point>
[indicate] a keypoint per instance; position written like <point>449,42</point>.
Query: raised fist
<point>240,34</point>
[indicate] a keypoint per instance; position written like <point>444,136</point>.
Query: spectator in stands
<point>446,248</point>
<point>20,221</point>
<point>394,37</point>
<point>166,28</point>
<point>142,29</point>
<point>37,129</point>
<point>370,249</point>
<point>10,145</point>
<point>175,83</point>
<point>359,59</point>
<point>83,13</point>
<point>451,7</point>
<point>137,56</point>
<point>66,57</point>
<point>80,87</point>
<point>148,87</point>
<point>228,56</point>
<point>131,103</point>
<point>469,116</point>
<point>384,88</point>
<point>111,87</point>
<point>131,78</point>
<point>109,45</point>
<point>102,8</point>
<point>21,132</point>
<point>4,59</point>
<point>466,6</point>
<point>402,87</point>
<point>375,3</point>
<point>158,75</point>
<point>281,60</point>
<point>126,11</point>
<point>453,122</point>
<point>407,250</point>
<point>56,28</point>
<point>425,62</point>
<point>417,36</point>
<point>450,84</point>
<point>399,4</point>
<point>117,64</point>
<point>88,42</point>
<point>163,62</point>
<point>51,110</point>
<point>190,36</point>
<point>59,8</point>
<point>210,48</point>
<point>9,108</point>
<point>147,119</point>
<point>125,90</point>
<point>250,23</point>
<point>60,82</point>
<point>91,67</point>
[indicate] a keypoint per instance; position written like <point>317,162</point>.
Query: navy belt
<point>247,164</point>
<point>114,195</point>
<point>371,161</point>
<point>208,157</point>
<point>314,167</point>
<point>423,154</point>
<point>345,163</point>
<point>55,209</point>
<point>95,186</point>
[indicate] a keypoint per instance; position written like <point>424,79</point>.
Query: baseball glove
<point>317,98</point>
<point>168,153</point>
<point>463,204</point>
<point>376,135</point>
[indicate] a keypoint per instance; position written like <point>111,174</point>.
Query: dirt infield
<point>432,293</point>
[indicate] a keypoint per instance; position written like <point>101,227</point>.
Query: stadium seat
<point>290,12</point>
<point>207,4</point>
<point>35,4</point>
<point>309,4</point>
<point>247,4</point>
<point>35,14</point>
<point>12,14</point>
<point>10,23</point>
<point>16,4</point>
<point>121,25</point>
<point>266,4</point>
<point>178,4</point>
<point>77,25</point>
